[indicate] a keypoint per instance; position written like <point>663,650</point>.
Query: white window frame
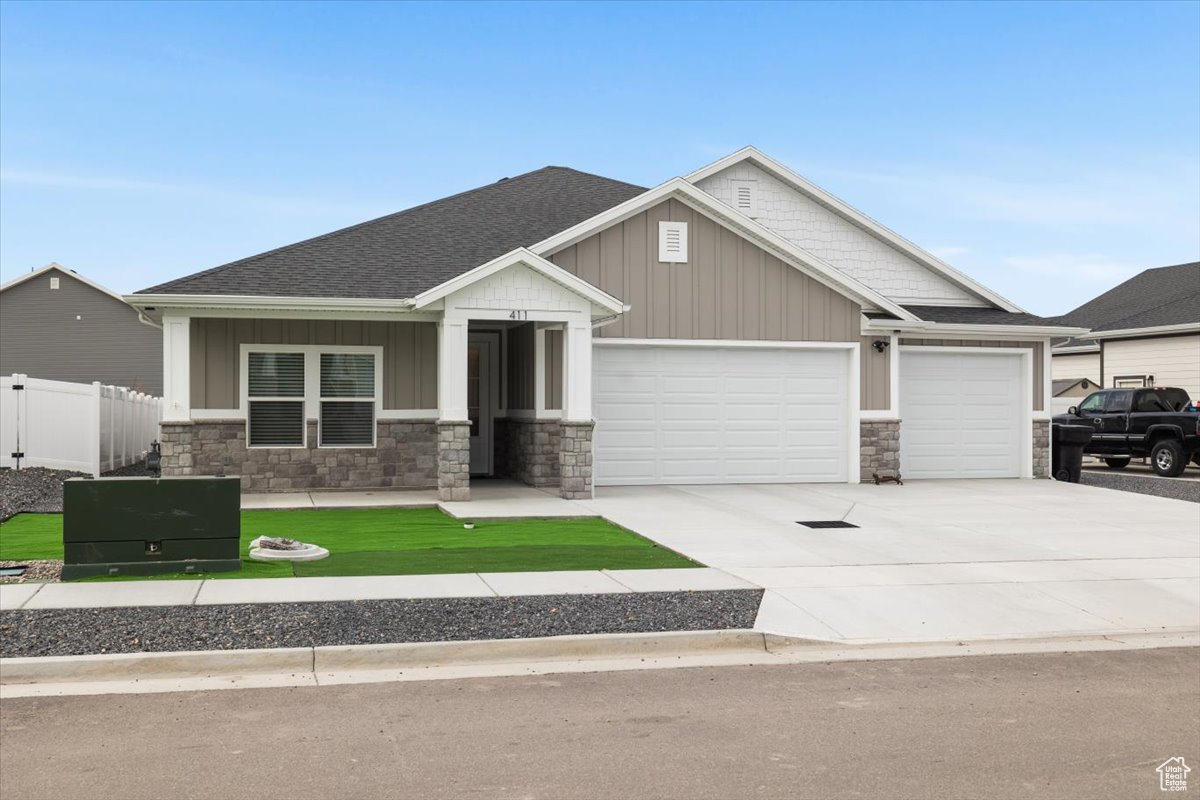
<point>312,388</point>
<point>664,229</point>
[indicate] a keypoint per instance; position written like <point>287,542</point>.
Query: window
<point>338,386</point>
<point>347,400</point>
<point>275,392</point>
<point>672,242</point>
<point>1118,402</point>
<point>1094,403</point>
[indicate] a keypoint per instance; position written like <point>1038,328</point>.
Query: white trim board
<point>858,218</point>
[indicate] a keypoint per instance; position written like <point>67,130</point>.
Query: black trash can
<point>1066,453</point>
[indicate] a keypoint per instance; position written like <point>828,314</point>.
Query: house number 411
<point>518,315</point>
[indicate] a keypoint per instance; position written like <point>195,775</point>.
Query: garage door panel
<point>720,415</point>
<point>961,414</point>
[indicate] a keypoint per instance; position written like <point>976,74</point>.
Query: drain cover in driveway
<point>826,523</point>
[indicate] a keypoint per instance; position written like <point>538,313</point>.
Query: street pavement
<point>1092,725</point>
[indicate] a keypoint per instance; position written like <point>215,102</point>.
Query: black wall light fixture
<point>880,345</point>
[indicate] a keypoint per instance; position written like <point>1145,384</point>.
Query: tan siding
<point>1172,360</point>
<point>554,369</point>
<point>875,376</point>
<point>77,333</point>
<point>1039,368</point>
<point>409,355</point>
<point>520,368</point>
<point>729,289</point>
<point>1081,365</point>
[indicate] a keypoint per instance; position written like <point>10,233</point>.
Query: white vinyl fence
<point>86,427</point>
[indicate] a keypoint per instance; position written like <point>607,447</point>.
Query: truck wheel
<point>1166,457</point>
<point>1117,463</point>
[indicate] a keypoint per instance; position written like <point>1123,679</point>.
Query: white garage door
<point>961,415</point>
<point>719,415</point>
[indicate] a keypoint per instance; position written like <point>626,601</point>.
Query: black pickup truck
<point>1160,423</point>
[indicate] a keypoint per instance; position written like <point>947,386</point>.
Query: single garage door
<point>719,415</point>
<point>961,414</point>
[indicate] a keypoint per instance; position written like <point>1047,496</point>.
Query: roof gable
<point>845,237</point>
<point>403,254</point>
<point>68,273</point>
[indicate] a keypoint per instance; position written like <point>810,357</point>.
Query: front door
<point>480,400</point>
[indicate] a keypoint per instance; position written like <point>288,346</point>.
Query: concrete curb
<point>407,655</point>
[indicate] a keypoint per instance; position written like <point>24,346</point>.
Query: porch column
<point>575,443</point>
<point>454,431</point>
<point>177,369</point>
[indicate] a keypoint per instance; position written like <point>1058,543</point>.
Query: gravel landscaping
<point>80,631</point>
<point>1173,488</point>
<point>32,489</point>
<point>38,572</point>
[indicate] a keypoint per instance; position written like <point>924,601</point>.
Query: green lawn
<point>401,541</point>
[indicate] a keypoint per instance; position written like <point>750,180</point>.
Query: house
<point>1145,332</point>
<point>56,324</point>
<point>736,325</point>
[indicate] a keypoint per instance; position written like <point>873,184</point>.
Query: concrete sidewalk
<point>237,591</point>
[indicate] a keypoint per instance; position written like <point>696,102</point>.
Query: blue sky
<point>1050,150</point>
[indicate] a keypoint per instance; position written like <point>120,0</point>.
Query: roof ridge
<point>357,225</point>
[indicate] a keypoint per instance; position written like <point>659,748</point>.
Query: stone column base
<point>454,461</point>
<point>879,447</point>
<point>575,460</point>
<point>1041,448</point>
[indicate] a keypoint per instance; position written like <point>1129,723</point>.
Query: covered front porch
<point>487,375</point>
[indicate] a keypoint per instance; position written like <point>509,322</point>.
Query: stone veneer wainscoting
<point>530,450</point>
<point>575,460</point>
<point>1041,448</point>
<point>454,460</point>
<point>879,441</point>
<point>405,456</point>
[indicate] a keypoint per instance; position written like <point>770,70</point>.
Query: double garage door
<point>962,414</point>
<point>719,415</point>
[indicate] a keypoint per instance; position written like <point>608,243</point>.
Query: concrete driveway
<point>936,560</point>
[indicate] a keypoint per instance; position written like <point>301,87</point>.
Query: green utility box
<point>150,526</point>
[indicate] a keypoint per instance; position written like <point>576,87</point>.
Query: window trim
<point>312,389</point>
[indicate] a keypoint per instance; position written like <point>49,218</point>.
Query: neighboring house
<point>1073,387</point>
<point>738,325</point>
<point>58,325</point>
<point>1145,332</point>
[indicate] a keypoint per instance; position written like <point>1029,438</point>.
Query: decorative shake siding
<point>409,355</point>
<point>831,237</point>
<point>729,288</point>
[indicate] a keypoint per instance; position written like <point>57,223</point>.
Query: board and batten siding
<point>875,376</point>
<point>1039,371</point>
<point>521,365</point>
<point>729,288</point>
<point>409,355</point>
<point>519,360</point>
<point>77,333</point>
<point>1171,360</point>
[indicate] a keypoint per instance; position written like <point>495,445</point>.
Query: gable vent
<point>745,197</point>
<point>672,242</point>
<point>53,283</point>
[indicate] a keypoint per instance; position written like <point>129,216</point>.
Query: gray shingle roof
<point>403,254</point>
<point>977,316</point>
<point>1161,296</point>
